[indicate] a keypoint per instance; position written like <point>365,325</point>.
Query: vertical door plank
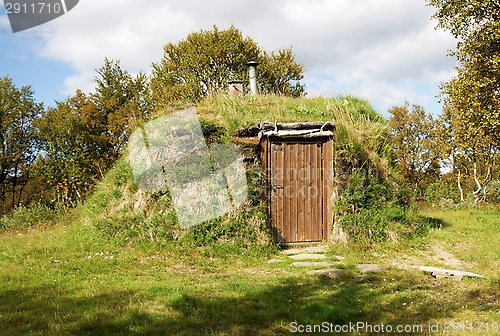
<point>313,191</point>
<point>275,217</point>
<point>279,190</point>
<point>307,186</point>
<point>293,191</point>
<point>286,192</point>
<point>328,187</point>
<point>319,186</point>
<point>302,229</point>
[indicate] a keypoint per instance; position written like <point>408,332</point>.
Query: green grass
<point>473,235</point>
<point>120,264</point>
<point>62,280</point>
<point>234,113</point>
<point>361,133</point>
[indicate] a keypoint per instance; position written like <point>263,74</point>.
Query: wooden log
<point>268,125</point>
<point>328,126</point>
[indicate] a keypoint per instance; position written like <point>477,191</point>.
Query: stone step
<point>330,272</point>
<point>456,275</point>
<point>305,256</point>
<point>274,261</point>
<point>315,263</point>
<point>312,249</point>
<point>370,268</point>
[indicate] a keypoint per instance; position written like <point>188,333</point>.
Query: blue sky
<point>19,61</point>
<point>386,51</point>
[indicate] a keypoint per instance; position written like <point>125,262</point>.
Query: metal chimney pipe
<point>253,76</point>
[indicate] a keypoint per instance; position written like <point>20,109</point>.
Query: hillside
<point>120,209</point>
<point>127,215</point>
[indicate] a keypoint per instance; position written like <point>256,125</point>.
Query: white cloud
<point>385,50</point>
<point>405,64</point>
<point>417,56</point>
<point>120,30</point>
<point>124,30</point>
<point>4,23</point>
<point>83,81</point>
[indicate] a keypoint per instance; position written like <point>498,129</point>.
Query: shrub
<point>35,216</point>
<point>493,192</point>
<point>371,209</point>
<point>382,224</point>
<point>243,227</point>
<point>442,192</point>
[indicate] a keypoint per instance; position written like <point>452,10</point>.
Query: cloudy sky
<point>386,51</point>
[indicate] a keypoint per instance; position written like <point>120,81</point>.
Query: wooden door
<point>299,178</point>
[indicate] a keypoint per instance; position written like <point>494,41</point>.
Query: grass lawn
<point>68,279</point>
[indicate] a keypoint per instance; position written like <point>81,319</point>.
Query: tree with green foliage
<point>413,134</point>
<point>18,145</point>
<point>83,136</point>
<point>122,102</point>
<point>202,64</point>
<point>472,154</point>
<point>71,147</point>
<point>279,74</point>
<point>472,98</point>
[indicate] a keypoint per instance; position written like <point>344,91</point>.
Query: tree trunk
<point>479,186</point>
<point>460,187</point>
